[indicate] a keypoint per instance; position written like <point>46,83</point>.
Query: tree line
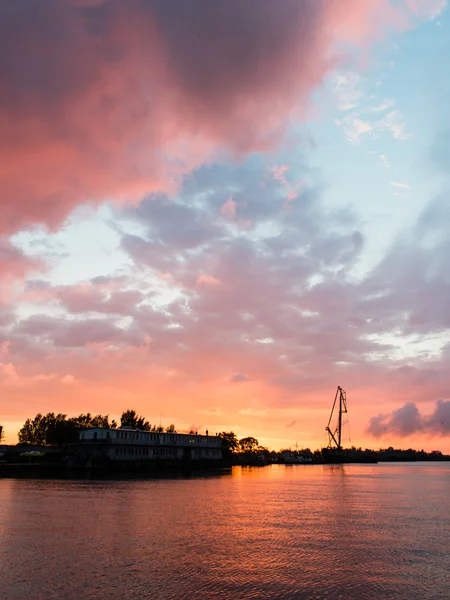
<point>58,429</point>
<point>248,445</point>
<point>54,429</point>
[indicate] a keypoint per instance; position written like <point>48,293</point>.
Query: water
<point>300,532</point>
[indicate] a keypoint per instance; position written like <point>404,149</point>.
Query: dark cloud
<point>104,295</point>
<point>408,291</point>
<point>238,378</point>
<point>37,285</point>
<point>86,299</point>
<point>62,332</point>
<point>408,420</point>
<point>117,98</point>
<point>175,224</point>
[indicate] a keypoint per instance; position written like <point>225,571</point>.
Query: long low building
<point>133,445</point>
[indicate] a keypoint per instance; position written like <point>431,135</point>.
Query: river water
<point>281,532</point>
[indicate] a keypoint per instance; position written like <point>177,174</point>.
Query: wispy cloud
<point>207,280</point>
<point>377,108</point>
<point>292,191</point>
<point>428,9</point>
<point>360,124</point>
<point>355,128</point>
<point>347,89</point>
<point>383,161</point>
<point>395,123</point>
<point>213,411</point>
<point>252,412</point>
<point>399,184</point>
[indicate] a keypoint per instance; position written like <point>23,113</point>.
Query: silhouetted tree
<point>171,428</point>
<point>130,418</point>
<point>44,430</point>
<point>2,435</point>
<point>306,453</point>
<point>57,430</point>
<point>87,421</point>
<point>248,444</point>
<point>230,443</point>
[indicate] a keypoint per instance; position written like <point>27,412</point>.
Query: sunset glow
<point>216,212</point>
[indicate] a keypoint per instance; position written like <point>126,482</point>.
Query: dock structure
<point>126,445</point>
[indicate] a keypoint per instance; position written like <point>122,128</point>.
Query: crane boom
<point>335,435</point>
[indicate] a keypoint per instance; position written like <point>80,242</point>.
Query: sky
<point>217,211</point>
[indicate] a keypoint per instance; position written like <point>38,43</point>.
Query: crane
<point>335,436</point>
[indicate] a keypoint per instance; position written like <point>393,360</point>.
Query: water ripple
<point>306,533</point>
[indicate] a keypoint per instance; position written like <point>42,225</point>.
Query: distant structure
<point>127,445</point>
<point>294,458</point>
<point>335,435</point>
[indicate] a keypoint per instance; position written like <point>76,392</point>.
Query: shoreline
<point>161,471</point>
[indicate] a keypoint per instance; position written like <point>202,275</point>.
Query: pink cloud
<point>292,192</point>
<point>14,265</point>
<point>8,374</point>
<point>228,208</point>
<point>208,280</point>
<point>118,98</point>
<point>427,8</point>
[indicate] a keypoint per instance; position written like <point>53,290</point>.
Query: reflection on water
<point>298,532</point>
